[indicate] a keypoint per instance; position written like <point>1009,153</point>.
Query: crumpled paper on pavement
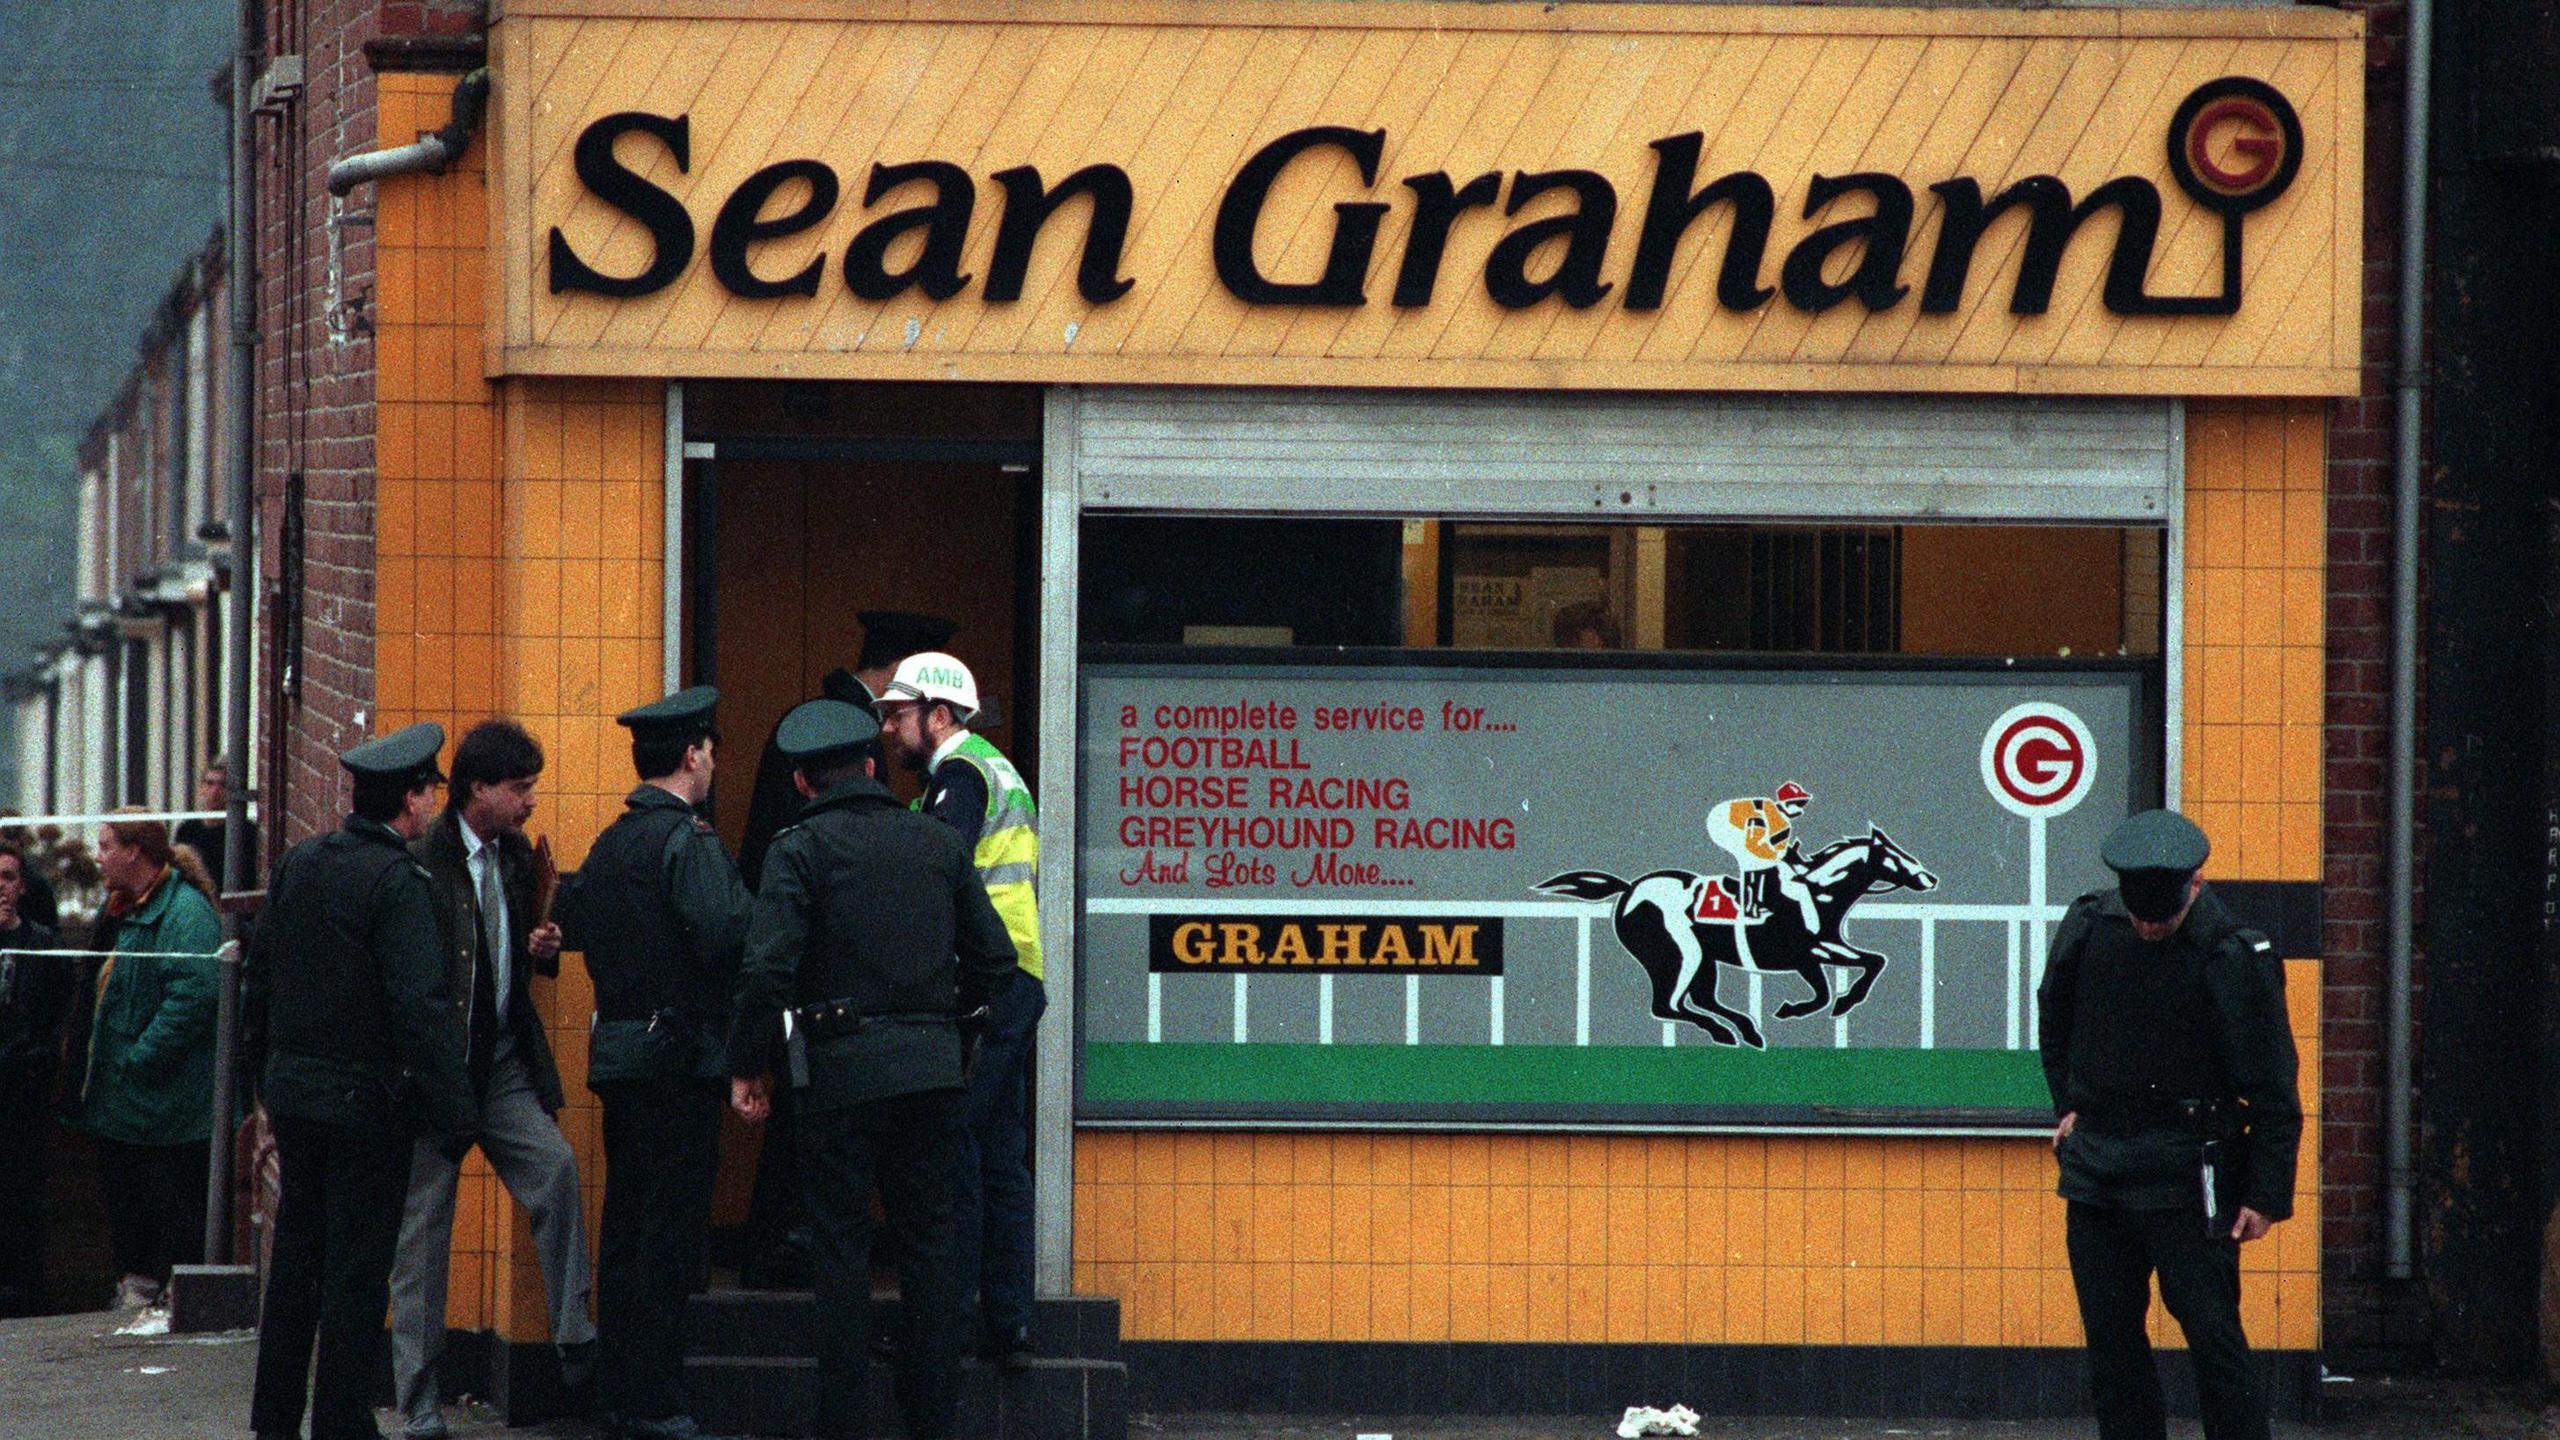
<point>1645,1420</point>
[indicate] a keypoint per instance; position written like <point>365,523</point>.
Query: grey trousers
<point>535,1163</point>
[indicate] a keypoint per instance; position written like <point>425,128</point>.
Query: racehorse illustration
<point>1683,925</point>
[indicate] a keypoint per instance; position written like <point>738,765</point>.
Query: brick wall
<point>2361,1315</point>
<point>315,401</point>
<point>315,407</point>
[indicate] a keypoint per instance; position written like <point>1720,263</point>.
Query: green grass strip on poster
<point>1559,1075</point>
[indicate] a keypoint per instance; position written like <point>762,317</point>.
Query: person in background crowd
<point>35,991</point>
<point>39,905</point>
<point>143,1086</point>
<point>481,869</point>
<point>1587,625</point>
<point>362,1055</point>
<point>660,914</point>
<point>970,786</point>
<point>874,932</point>
<point>213,793</point>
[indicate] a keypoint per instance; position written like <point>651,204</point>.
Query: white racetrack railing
<point>2025,928</point>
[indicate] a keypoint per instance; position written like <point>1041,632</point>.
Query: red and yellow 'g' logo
<point>2235,144</point>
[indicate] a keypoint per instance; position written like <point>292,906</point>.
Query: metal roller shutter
<point>1661,457</point>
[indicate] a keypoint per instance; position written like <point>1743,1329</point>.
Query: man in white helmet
<point>925,711</point>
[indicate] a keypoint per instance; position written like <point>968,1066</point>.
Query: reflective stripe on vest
<point>1008,855</point>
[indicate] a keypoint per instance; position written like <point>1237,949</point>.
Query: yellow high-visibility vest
<point>1008,855</point>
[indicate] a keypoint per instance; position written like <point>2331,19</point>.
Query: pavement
<point>71,1377</point>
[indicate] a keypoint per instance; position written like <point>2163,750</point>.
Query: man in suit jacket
<point>480,869</point>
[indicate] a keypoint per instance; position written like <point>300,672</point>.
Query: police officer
<point>871,934</point>
<point>343,999</point>
<point>777,1232</point>
<point>661,915</point>
<point>2168,1053</point>
<point>969,785</point>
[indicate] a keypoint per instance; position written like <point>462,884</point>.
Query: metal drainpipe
<point>432,151</point>
<point>2410,379</point>
<point>240,286</point>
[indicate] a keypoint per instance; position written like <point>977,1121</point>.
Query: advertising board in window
<point>1438,890</point>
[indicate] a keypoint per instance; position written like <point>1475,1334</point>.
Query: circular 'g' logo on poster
<point>2038,759</point>
<point>2235,144</point>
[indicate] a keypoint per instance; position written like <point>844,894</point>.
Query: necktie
<point>493,932</point>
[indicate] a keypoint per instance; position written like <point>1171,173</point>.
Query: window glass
<point>1766,589</point>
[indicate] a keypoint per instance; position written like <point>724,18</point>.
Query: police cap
<point>2154,854</point>
<point>889,636</point>
<point>816,729</point>
<point>408,754</point>
<point>685,716</point>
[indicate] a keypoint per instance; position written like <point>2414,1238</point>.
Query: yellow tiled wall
<point>2256,619</point>
<point>1717,1239</point>
<point>517,560</point>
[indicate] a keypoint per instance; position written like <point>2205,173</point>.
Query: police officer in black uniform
<point>777,1230</point>
<point>343,1014</point>
<point>872,935</point>
<point>661,915</point>
<point>2169,1054</point>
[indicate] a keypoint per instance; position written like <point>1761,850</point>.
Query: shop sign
<point>1870,251</point>
<point>1583,894</point>
<point>1589,197</point>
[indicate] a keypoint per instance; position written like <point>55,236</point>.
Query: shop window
<point>1202,581</point>
<point>1830,590</point>
<point>1952,589</point>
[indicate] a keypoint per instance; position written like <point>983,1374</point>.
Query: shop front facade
<point>1418,482</point>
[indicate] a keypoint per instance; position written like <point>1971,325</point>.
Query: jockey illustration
<point>1760,836</point>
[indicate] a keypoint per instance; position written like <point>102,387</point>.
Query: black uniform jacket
<point>448,864</point>
<point>35,995</point>
<point>2129,1028</point>
<point>342,997</point>
<point>661,916</point>
<point>867,901</point>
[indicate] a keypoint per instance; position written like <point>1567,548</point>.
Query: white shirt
<point>482,855</point>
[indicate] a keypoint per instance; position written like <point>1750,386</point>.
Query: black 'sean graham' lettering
<point>609,180</point>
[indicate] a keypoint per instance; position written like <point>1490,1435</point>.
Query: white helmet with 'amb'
<point>933,677</point>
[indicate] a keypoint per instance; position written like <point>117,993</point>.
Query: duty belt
<point>2125,1116</point>
<point>664,1017</point>
<point>828,1019</point>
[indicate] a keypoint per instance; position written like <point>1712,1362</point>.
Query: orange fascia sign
<point>1419,195</point>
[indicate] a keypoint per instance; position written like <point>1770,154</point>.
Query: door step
<point>753,1370</point>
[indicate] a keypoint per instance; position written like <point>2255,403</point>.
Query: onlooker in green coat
<point>145,1088</point>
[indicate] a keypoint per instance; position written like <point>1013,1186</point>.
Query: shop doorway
<point>807,504</point>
